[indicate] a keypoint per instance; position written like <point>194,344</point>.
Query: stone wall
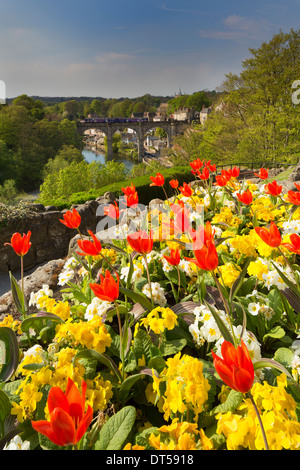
<point>49,237</point>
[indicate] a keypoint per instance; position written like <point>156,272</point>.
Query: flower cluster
<point>177,328</point>
<point>278,413</point>
<point>186,388</point>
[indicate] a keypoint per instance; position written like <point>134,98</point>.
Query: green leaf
<point>102,358</point>
<point>221,325</point>
<point>5,405</point>
<point>232,402</point>
<point>265,362</point>
<point>137,298</point>
<point>115,431</point>
<point>284,356</point>
<point>168,348</point>
<point>142,345</point>
<point>9,353</point>
<point>18,296</point>
<point>290,284</point>
<point>130,381</point>
<point>239,281</point>
<point>276,332</point>
<point>37,321</point>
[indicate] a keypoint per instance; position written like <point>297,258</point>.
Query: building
<point>204,113</point>
<point>161,112</point>
<point>184,114</point>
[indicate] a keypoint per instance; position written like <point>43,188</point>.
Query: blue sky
<point>128,48</point>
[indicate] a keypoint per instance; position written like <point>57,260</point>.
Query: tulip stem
<point>121,339</point>
<point>226,306</point>
<point>22,274</point>
<point>259,420</point>
<point>149,281</point>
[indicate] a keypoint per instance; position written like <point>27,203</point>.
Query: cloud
<point>238,28</point>
<point>179,10</point>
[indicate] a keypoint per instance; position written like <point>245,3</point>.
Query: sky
<point>114,49</point>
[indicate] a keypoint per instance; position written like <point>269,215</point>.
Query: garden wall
<point>50,238</point>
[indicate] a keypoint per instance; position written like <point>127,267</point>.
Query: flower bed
<point>180,334</point>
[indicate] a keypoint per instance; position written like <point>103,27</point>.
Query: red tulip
<point>90,248</point>
<point>245,197</point>
<point>221,180</point>
<point>174,184</point>
<point>293,197</point>
<point>271,237</point>
<point>71,219</point>
<point>212,168</point>
<point>174,258</point>
<point>235,368</point>
<point>181,221</point>
<point>235,172</point>
<point>20,244</point>
<point>68,419</point>
<point>297,186</point>
<point>108,289</point>
<point>204,175</point>
<point>196,165</point>
<point>129,190</point>
<point>112,211</point>
<point>132,199</point>
<point>273,188</point>
<point>206,256</point>
<point>294,245</point>
<point>141,242</point>
<point>157,180</point>
<point>263,174</point>
<point>186,190</point>
<point>202,234</point>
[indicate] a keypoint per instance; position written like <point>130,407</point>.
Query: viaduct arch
<point>141,128</point>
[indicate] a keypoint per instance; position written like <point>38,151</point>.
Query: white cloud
<point>239,28</point>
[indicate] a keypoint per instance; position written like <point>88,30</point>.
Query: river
<point>97,156</point>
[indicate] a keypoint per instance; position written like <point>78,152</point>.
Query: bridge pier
<point>141,128</point>
<point>109,139</point>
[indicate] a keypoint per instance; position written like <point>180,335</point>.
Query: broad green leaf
<point>115,431</point>
<point>232,402</point>
<point>18,296</point>
<point>102,358</point>
<point>284,356</point>
<point>9,353</point>
<point>5,405</point>
<point>137,298</point>
<point>276,332</point>
<point>142,345</point>
<point>37,321</point>
<point>168,348</point>
<point>127,385</point>
<point>265,362</point>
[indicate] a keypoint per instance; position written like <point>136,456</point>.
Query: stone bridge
<point>141,129</point>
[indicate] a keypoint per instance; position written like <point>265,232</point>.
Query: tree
<point>35,108</point>
<point>257,120</point>
<point>197,101</point>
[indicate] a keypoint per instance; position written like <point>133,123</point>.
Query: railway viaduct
<point>141,128</point>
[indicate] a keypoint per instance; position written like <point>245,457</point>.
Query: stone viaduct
<point>141,128</point>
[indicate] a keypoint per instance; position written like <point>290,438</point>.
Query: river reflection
<point>97,156</point>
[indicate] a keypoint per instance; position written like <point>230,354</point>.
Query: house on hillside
<point>204,113</point>
<point>161,112</point>
<point>184,114</point>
